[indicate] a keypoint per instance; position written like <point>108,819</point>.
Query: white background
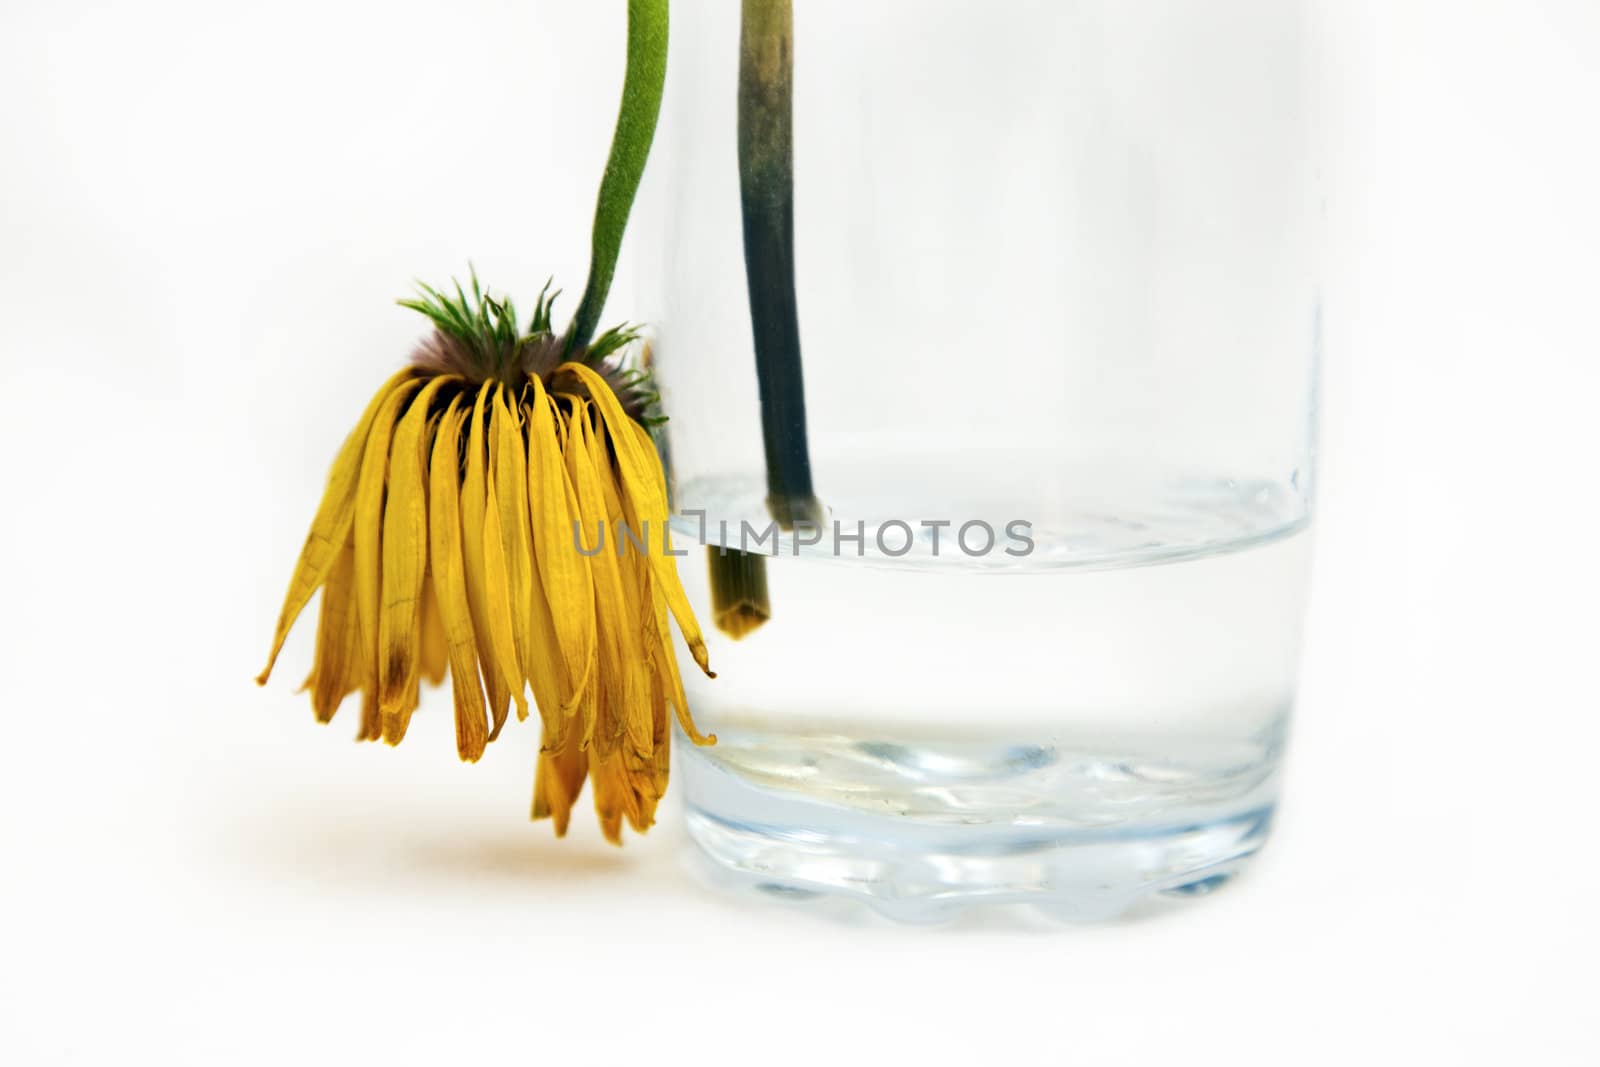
<point>205,211</point>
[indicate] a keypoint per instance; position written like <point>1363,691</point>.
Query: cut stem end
<point>739,602</point>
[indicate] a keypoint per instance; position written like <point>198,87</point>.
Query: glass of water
<point>1054,268</point>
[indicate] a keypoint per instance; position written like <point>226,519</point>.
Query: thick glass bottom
<point>922,833</point>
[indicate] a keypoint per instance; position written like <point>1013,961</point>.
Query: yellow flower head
<point>500,513</point>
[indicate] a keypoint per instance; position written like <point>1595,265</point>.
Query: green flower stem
<point>766,186</point>
<point>642,87</point>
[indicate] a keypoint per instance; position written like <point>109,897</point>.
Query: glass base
<point>926,866</point>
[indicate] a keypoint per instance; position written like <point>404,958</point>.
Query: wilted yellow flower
<point>448,539</point>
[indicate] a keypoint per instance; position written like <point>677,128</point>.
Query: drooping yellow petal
<point>434,653</point>
<point>658,641</point>
<point>637,618</point>
<point>371,718</point>
<point>367,533</point>
<point>651,776</point>
<point>531,627</point>
<point>491,611</point>
<point>614,798</point>
<point>405,560</point>
<point>666,665</point>
<point>644,493</point>
<point>661,650</point>
<point>610,602</point>
<point>557,783</point>
<point>502,613</point>
<point>563,572</point>
<point>663,752</point>
<point>330,530</point>
<point>588,540</point>
<point>450,584</point>
<point>336,672</point>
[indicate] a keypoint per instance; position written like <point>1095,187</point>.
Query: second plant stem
<point>766,189</point>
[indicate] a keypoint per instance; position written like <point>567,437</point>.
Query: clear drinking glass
<point>1056,273</point>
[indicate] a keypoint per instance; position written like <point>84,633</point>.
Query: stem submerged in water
<point>739,603</point>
